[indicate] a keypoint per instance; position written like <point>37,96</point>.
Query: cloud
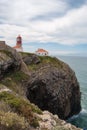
<point>76,3</point>
<point>61,52</point>
<point>69,29</point>
<point>21,11</point>
<point>43,21</point>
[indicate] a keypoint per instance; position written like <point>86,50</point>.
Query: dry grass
<point>12,121</point>
<point>21,106</point>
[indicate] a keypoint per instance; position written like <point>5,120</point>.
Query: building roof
<point>41,51</point>
<point>16,47</point>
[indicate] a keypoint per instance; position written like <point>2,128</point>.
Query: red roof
<point>41,50</point>
<point>16,47</point>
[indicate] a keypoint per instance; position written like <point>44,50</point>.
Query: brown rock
<point>55,88</point>
<point>10,60</point>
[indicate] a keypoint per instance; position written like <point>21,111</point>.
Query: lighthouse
<point>18,46</point>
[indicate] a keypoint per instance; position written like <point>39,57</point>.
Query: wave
<point>79,65</point>
<point>82,113</point>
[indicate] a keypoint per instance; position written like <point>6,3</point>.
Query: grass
<point>60,128</point>
<point>8,53</point>
<point>46,60</point>
<point>2,86</point>
<point>52,60</point>
<point>21,106</point>
<point>26,54</point>
<point>3,57</point>
<point>10,99</point>
<point>17,102</point>
<point>19,76</point>
<point>16,82</point>
<point>12,121</point>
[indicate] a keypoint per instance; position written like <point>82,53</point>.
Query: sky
<point>59,26</point>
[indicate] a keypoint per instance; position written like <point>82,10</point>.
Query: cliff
<point>10,60</point>
<point>53,85</point>
<point>19,73</point>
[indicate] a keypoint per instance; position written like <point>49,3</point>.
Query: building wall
<point>19,49</point>
<point>42,53</point>
<point>2,45</point>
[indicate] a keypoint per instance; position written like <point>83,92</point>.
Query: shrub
<point>12,121</point>
<point>60,128</point>
<point>15,81</point>
<point>4,106</point>
<point>21,106</point>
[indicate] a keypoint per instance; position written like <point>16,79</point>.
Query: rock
<point>47,121</point>
<point>54,87</point>
<point>47,86</point>
<point>10,60</point>
<point>30,59</point>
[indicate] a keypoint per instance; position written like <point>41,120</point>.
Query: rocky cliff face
<point>54,87</point>
<point>49,83</point>
<point>10,60</point>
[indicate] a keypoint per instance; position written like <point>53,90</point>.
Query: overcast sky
<point>59,26</point>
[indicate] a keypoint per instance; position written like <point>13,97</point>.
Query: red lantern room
<point>19,41</point>
<point>18,46</point>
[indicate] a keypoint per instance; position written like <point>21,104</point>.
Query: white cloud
<point>21,11</point>
<point>16,18</point>
<point>69,29</point>
<point>61,52</point>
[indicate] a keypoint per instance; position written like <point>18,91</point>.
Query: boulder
<point>10,60</point>
<point>54,87</point>
<point>30,58</point>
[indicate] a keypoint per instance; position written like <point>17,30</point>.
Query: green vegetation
<point>18,102</point>
<point>46,60</point>
<point>14,81</point>
<point>3,57</point>
<point>4,107</point>
<point>60,128</point>
<point>21,106</point>
<point>26,54</point>
<point>18,109</point>
<point>16,112</point>
<point>49,59</point>
<point>19,76</point>
<point>9,83</point>
<point>12,121</point>
<point>8,53</point>
<point>33,67</point>
<point>2,86</point>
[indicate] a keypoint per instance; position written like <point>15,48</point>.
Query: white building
<point>41,52</point>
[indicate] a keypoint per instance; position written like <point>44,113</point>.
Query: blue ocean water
<point>79,65</point>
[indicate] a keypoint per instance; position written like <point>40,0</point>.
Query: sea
<point>79,65</point>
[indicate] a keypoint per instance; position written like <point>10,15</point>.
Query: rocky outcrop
<point>10,60</point>
<point>54,87</point>
<point>30,58</point>
<point>49,121</point>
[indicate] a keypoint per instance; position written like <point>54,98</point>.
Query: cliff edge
<point>46,81</point>
<point>53,86</point>
<point>10,60</point>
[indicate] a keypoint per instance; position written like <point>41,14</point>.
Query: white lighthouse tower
<point>18,46</point>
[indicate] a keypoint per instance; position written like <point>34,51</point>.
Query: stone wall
<point>2,45</point>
